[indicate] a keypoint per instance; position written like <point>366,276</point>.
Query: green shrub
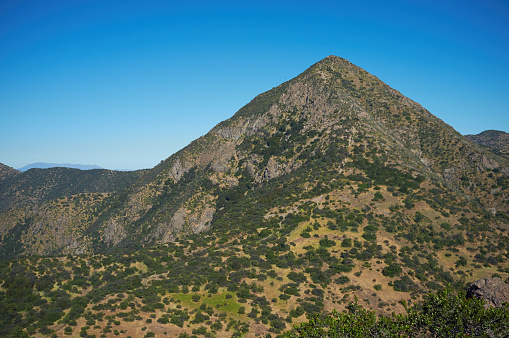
<point>392,270</point>
<point>441,315</point>
<point>346,243</point>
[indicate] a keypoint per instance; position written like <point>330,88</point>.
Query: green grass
<point>231,307</point>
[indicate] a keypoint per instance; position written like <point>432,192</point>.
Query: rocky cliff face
<point>334,114</point>
<point>492,290</point>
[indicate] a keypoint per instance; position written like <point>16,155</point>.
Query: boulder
<point>492,289</point>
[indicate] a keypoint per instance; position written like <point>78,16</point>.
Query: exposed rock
<point>450,175</point>
<point>198,219</point>
<point>114,232</point>
<point>78,247</point>
<point>272,170</point>
<point>178,170</point>
<point>202,220</point>
<point>164,232</point>
<point>492,289</point>
<point>221,156</point>
<point>484,162</point>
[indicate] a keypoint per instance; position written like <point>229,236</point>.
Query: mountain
<point>495,140</point>
<point>20,189</point>
<point>7,172</point>
<point>332,123</point>
<point>48,194</point>
<point>327,188</point>
<point>43,165</point>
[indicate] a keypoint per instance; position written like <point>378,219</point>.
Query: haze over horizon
<point>126,84</point>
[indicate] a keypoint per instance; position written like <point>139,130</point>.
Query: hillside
<point>495,140</point>
<point>38,185</point>
<point>7,172</point>
<point>54,198</point>
<point>328,187</point>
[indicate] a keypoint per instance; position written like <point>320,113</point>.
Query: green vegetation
<point>39,185</point>
<point>441,315</point>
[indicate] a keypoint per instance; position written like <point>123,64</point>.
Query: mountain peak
<point>335,62</point>
<point>331,58</point>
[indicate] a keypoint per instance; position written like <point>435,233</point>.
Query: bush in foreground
<point>444,314</point>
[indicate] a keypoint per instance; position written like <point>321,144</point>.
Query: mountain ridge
<point>7,172</point>
<point>45,165</point>
<point>496,141</point>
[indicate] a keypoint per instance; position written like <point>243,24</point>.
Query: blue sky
<point>124,84</point>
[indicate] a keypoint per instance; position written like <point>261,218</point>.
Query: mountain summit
<point>331,127</point>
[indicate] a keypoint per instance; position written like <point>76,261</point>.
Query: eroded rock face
<point>178,170</point>
<point>272,170</point>
<point>114,232</point>
<point>492,289</point>
<point>164,231</point>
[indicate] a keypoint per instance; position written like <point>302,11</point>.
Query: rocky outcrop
<point>178,169</point>
<point>114,232</point>
<point>484,162</point>
<point>492,289</point>
<point>184,220</point>
<point>272,170</point>
<point>201,221</point>
<point>164,232</point>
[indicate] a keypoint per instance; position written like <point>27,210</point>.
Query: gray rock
<point>492,289</point>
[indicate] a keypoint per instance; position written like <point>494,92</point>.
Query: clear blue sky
<point>124,84</point>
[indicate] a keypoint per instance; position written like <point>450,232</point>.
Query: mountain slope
<point>44,209</point>
<point>37,185</point>
<point>495,140</point>
<point>332,107</point>
<point>7,172</point>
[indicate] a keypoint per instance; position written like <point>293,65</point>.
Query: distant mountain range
<point>44,165</point>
